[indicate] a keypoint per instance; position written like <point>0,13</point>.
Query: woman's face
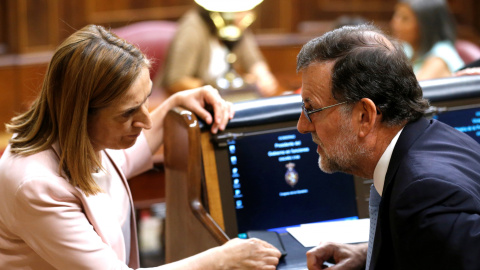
<point>119,125</point>
<point>405,25</point>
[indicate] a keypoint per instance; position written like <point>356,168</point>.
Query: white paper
<point>345,231</point>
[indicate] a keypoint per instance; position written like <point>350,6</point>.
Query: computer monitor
<point>269,179</point>
<point>456,102</point>
<point>464,118</point>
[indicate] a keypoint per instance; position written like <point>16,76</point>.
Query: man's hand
<point>345,256</point>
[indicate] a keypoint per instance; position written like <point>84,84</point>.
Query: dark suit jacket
<point>429,216</point>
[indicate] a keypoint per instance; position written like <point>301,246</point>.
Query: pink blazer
<point>46,223</point>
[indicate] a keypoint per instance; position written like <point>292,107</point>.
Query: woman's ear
<point>365,115</point>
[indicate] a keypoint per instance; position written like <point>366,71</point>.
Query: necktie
<point>374,203</point>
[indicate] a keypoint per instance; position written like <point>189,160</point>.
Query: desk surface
<point>296,254</point>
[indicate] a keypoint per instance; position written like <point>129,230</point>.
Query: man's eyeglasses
<point>307,112</point>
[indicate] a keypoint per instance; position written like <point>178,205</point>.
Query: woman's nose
<point>144,121</point>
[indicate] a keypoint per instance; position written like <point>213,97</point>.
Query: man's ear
<point>365,115</point>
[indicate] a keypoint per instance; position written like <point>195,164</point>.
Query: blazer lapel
<point>87,207</point>
<point>134,260</point>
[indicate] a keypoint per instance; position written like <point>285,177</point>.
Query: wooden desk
<point>193,224</point>
<point>190,229</point>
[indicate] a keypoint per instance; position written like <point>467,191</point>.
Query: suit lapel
<point>409,135</point>
<point>381,253</point>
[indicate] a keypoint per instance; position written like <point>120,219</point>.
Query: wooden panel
<point>30,80</point>
<point>115,12</point>
<point>38,25</point>
<point>36,21</point>
<point>282,62</point>
<point>211,180</point>
<point>280,52</point>
<point>20,81</point>
<point>72,16</point>
<point>356,6</point>
<point>12,30</point>
<point>462,10</point>
<point>148,188</point>
<point>3,27</point>
<point>186,218</point>
<point>369,9</point>
<point>274,16</point>
<point>116,5</point>
<point>8,98</point>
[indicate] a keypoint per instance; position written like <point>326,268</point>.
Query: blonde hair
<point>89,71</point>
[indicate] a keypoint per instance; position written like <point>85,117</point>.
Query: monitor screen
<point>274,182</point>
<point>463,118</point>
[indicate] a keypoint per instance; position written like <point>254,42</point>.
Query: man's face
<point>331,129</point>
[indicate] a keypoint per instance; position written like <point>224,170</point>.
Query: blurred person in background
<point>427,29</point>
<point>197,56</point>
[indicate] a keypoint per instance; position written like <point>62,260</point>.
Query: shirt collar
<point>382,165</point>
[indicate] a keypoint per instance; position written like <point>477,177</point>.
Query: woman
<point>428,30</point>
<point>65,200</point>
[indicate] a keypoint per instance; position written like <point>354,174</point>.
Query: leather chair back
<point>467,50</point>
<point>152,38</point>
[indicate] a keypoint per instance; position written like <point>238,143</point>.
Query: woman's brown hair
<point>89,71</point>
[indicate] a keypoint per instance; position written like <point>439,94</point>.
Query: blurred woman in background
<point>197,56</point>
<point>428,31</point>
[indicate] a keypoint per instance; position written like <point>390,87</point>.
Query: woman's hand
<point>247,254</point>
<point>468,71</point>
<point>201,100</point>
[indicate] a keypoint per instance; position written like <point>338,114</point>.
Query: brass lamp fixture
<point>231,18</point>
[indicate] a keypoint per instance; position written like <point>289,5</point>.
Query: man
<point>364,109</point>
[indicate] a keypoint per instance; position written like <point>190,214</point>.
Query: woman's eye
<point>128,113</point>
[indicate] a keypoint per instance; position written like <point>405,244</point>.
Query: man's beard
<point>344,154</point>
